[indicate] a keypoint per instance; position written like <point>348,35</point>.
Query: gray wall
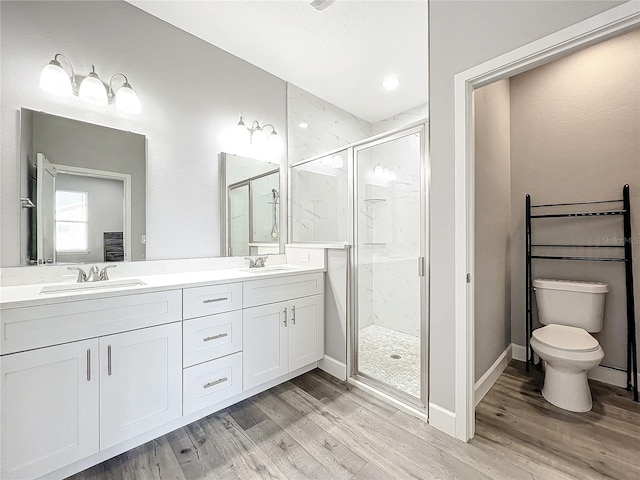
<point>79,144</point>
<point>462,35</point>
<point>104,209</point>
<point>492,224</point>
<point>192,95</point>
<point>575,135</point>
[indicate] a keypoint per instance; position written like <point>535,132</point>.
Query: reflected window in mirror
<point>72,222</point>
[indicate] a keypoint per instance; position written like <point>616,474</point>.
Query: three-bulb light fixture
<point>384,173</point>
<point>56,79</point>
<point>256,135</point>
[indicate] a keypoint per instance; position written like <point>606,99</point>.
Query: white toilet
<point>569,310</point>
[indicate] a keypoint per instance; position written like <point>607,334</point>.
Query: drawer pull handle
<point>216,382</point>
<point>215,337</point>
<point>213,300</point>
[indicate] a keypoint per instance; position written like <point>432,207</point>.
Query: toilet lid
<point>566,338</point>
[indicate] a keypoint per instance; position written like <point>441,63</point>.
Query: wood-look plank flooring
<point>315,427</point>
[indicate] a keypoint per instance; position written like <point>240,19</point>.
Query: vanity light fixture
<point>55,79</point>
<point>256,134</point>
<point>303,125</point>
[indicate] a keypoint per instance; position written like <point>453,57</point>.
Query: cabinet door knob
<point>285,316</point>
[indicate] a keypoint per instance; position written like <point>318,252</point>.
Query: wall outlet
<point>304,257</point>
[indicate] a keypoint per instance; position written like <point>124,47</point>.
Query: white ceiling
<point>340,54</point>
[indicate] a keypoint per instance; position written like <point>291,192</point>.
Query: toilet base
<point>567,390</point>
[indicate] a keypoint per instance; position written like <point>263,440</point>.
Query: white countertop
<point>29,295</point>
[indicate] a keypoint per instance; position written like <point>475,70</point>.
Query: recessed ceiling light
<point>303,125</point>
<point>391,82</point>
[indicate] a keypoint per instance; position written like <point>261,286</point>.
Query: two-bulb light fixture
<point>57,80</point>
<point>384,173</point>
<point>256,134</point>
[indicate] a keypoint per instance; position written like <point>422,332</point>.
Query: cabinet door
<point>140,382</point>
<point>264,344</point>
<point>306,331</point>
<point>49,408</point>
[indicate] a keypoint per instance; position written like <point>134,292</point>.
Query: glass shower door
<point>390,282</point>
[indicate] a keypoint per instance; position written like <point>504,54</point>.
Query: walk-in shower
<point>373,195</point>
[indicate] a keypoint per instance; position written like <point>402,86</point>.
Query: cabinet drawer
<point>208,338</point>
<point>260,292</point>
<point>202,301</point>
<point>27,328</point>
<point>212,382</point>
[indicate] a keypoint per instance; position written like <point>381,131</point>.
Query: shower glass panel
<point>390,234</point>
<point>239,219</point>
<point>320,199</point>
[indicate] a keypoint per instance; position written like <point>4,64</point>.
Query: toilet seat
<point>562,337</point>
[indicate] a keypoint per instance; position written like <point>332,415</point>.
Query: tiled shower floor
<point>377,344</point>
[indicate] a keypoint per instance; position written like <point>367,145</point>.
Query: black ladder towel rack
<point>625,212</point>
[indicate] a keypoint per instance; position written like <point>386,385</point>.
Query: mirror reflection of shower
<point>275,233</point>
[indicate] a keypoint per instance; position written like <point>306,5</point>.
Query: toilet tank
<point>572,303</point>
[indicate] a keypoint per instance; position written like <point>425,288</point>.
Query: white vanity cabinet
<point>140,382</point>
<point>49,408</point>
<point>281,336</point>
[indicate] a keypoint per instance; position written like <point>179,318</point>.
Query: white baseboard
<point>611,376</point>
<point>484,384</point>
<point>442,419</point>
<point>518,352</point>
<point>333,367</point>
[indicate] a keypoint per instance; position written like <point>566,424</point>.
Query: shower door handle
<point>421,266</point>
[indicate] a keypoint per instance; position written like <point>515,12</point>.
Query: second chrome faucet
<point>94,275</point>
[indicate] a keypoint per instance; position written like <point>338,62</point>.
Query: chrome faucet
<point>94,275</point>
<point>257,263</point>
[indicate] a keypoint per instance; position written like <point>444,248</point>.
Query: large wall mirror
<point>249,206</point>
<point>83,191</point>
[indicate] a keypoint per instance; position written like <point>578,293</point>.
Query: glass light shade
<point>392,176</point>
<point>126,100</point>
<point>54,79</point>
<point>93,90</point>
<point>386,173</point>
<point>336,161</point>
<point>242,133</point>
<point>378,171</point>
<point>258,137</point>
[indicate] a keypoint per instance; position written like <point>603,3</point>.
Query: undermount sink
<point>274,268</point>
<point>101,285</point>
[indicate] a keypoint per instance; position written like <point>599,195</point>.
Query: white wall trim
<point>563,42</point>
<point>518,352</point>
<point>484,384</point>
<point>333,367</point>
<point>608,375</point>
<point>442,419</point>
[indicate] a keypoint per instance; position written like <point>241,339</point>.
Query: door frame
<point>598,28</point>
<point>125,178</point>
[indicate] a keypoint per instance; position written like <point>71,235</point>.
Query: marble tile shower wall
<point>328,127</point>
<point>319,202</point>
